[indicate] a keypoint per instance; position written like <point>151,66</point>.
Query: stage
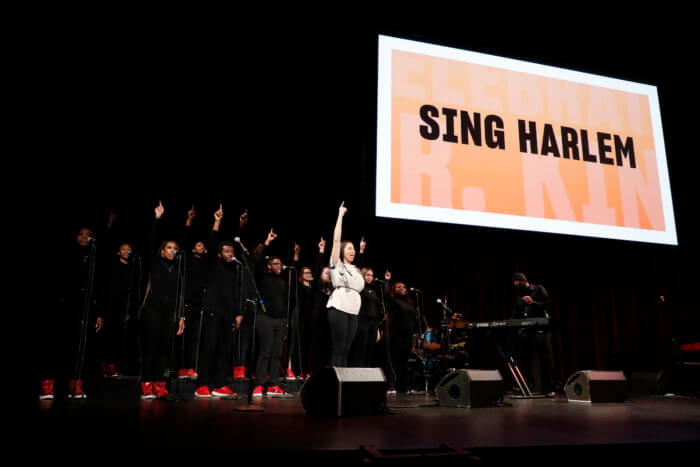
<point>552,430</point>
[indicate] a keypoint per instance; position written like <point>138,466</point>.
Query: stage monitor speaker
<point>596,386</point>
<point>470,388</point>
<point>342,392</point>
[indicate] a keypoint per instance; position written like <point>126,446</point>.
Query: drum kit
<point>437,352</point>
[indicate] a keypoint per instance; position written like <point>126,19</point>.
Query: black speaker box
<point>596,386</point>
<point>470,388</point>
<point>342,392</point>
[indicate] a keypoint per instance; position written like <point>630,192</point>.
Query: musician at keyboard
<point>534,344</point>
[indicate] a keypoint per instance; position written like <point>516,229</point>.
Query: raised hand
<point>219,214</point>
<point>322,245</point>
<point>159,210</point>
<point>243,220</point>
<point>342,210</point>
<point>110,220</point>
<point>191,213</point>
<point>297,249</point>
<point>363,245</point>
<point>270,237</point>
<point>387,276</point>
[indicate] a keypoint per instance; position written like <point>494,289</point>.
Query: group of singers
<point>197,304</point>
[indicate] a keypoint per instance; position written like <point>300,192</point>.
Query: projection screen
<point>474,139</point>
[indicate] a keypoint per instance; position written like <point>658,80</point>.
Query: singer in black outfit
<point>195,288</point>
<point>402,327</point>
<point>367,336</point>
<point>223,315</point>
<point>320,330</point>
<point>534,345</point>
<point>119,301</point>
<point>63,327</point>
<point>270,323</point>
<point>159,314</point>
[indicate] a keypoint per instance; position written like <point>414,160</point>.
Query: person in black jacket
<point>402,327</point>
<point>534,345</point>
<point>320,330</point>
<point>119,300</point>
<point>65,330</point>
<point>223,315</point>
<point>367,336</point>
<point>195,290</point>
<point>270,325</point>
<point>160,314</point>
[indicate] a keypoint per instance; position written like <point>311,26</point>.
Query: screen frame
<point>385,208</point>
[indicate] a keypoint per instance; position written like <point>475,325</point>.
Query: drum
<point>429,341</point>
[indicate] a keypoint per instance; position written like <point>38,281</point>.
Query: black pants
<point>113,335</point>
<point>400,344</point>
<point>188,345</point>
<point>157,334</point>
<point>60,342</point>
<point>270,333</point>
<point>343,328</point>
<point>215,358</point>
<point>320,341</point>
<point>534,354</point>
<point>300,342</point>
<point>362,350</point>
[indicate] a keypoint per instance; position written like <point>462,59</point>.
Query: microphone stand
<point>259,301</point>
<point>387,335</point>
<point>87,299</point>
<point>179,306</point>
<point>288,326</point>
<point>202,310</point>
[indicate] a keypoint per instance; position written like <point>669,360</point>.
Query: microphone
<point>415,290</point>
<point>284,268</point>
<point>238,240</point>
<point>379,280</point>
<point>443,305</point>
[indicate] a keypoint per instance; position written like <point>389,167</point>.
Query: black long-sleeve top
<point>120,287</point>
<point>369,310</point>
<point>224,282</point>
<point>402,313</point>
<point>273,288</point>
<point>196,280</point>
<point>539,307</point>
<point>164,272</point>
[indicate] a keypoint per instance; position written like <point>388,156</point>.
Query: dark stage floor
<point>645,428</point>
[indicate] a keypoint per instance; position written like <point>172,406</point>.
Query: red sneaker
<point>290,374</point>
<point>46,390</point>
<point>275,391</point>
<point>203,392</point>
<point>191,374</point>
<point>159,389</point>
<point>182,373</point>
<point>223,391</point>
<point>257,392</point>
<point>112,370</point>
<point>75,389</point>
<point>147,390</point>
<point>239,372</point>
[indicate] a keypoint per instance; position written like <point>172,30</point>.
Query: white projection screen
<point>475,139</point>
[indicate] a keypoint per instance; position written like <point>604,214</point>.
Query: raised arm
<point>186,238</point>
<point>337,233</point>
<point>213,241</point>
<point>155,230</point>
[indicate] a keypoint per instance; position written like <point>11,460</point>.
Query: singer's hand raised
<point>159,210</point>
<point>219,214</point>
<point>387,276</point>
<point>342,210</point>
<point>270,237</point>
<point>322,245</point>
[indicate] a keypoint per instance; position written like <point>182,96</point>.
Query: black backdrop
<point>279,117</point>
